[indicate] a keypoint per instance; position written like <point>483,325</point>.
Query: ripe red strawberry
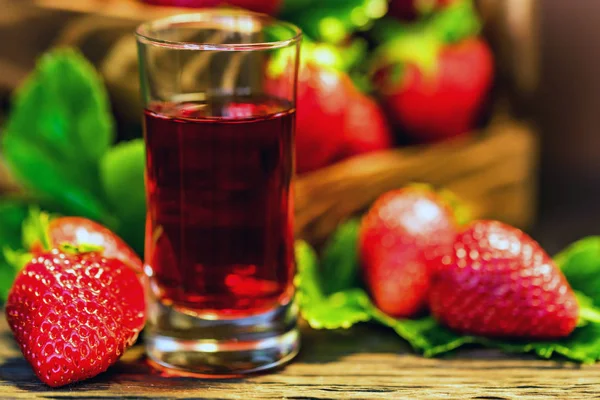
<point>79,230</point>
<point>263,6</point>
<point>497,281</point>
<point>323,95</point>
<point>365,127</point>
<point>401,231</point>
<point>73,315</point>
<point>439,95</point>
<point>410,9</point>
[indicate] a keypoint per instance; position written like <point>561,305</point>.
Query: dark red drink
<point>219,236</point>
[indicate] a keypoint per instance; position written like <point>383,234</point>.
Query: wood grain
<point>364,363</point>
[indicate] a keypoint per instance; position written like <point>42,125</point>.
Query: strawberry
<point>411,9</point>
<point>400,233</point>
<point>49,234</point>
<point>497,281</point>
<point>323,95</point>
<point>437,95</point>
<point>365,127</point>
<point>263,6</point>
<point>334,120</point>
<point>73,315</point>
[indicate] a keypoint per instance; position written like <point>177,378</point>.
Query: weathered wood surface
<point>365,363</point>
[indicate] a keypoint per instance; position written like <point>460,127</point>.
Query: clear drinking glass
<point>219,90</point>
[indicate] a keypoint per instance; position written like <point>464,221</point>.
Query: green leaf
<point>427,336</point>
<point>307,279</point>
<point>7,277</point>
<point>12,214</point>
<point>122,176</point>
<point>59,127</point>
<point>335,21</point>
<point>580,262</point>
<point>420,43</point>
<point>583,345</point>
<point>451,24</point>
<point>36,229</point>
<point>63,106</point>
<point>17,259</point>
<point>340,310</point>
<point>414,46</point>
<point>457,21</point>
<point>340,258</point>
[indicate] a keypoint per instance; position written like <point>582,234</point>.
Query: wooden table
<point>364,363</point>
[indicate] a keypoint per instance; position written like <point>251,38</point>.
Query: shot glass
<point>219,91</point>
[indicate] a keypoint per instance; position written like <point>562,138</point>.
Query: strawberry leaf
<point>122,177</point>
<point>307,279</point>
<point>59,127</point>
<point>7,277</point>
<point>12,214</point>
<point>580,262</point>
<point>35,229</point>
<point>334,21</point>
<point>340,258</point>
<point>583,345</point>
<point>455,22</point>
<point>340,310</point>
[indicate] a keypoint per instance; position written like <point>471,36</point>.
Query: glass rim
<point>144,31</point>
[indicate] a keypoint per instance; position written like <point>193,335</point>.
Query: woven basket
<point>493,171</point>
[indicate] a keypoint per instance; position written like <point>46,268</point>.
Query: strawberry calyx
<point>420,44</point>
<point>415,47</point>
<point>456,22</point>
<point>460,209</point>
<point>36,229</point>
<point>81,248</point>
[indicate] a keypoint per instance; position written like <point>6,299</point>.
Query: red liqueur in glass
<point>219,239</point>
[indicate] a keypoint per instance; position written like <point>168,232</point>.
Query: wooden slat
<point>365,363</point>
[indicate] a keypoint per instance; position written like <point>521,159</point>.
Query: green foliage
<point>333,21</point>
<point>580,262</point>
<point>340,260</point>
<point>420,43</point>
<point>35,229</point>
<point>59,127</point>
<point>12,214</point>
<point>122,177</point>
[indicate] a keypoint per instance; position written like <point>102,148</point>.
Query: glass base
<point>186,344</point>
